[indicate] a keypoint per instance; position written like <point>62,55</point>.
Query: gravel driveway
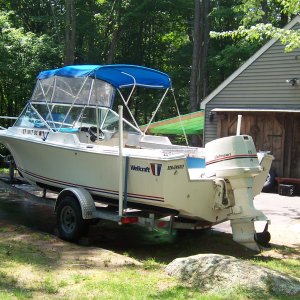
<point>284,213</point>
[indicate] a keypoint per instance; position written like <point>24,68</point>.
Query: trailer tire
<point>71,226</point>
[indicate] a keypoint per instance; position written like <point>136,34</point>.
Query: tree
<point>170,35</point>
<point>261,24</point>
<point>40,17</point>
<point>70,30</point>
<point>198,86</point>
<point>23,55</point>
<point>152,33</point>
<point>199,79</point>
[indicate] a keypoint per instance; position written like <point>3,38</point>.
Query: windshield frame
<point>50,119</point>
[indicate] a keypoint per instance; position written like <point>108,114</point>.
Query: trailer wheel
<point>71,225</point>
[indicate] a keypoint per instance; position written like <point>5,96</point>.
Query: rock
<point>213,272</point>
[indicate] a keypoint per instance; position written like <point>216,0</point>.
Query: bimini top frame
<point>119,76</point>
<point>95,85</point>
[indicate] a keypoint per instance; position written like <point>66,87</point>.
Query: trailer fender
<point>83,197</point>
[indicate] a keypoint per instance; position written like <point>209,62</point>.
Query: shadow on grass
<point>136,241</point>
<point>143,245</point>
<point>9,287</point>
<point>23,252</point>
<point>179,292</point>
<point>285,260</point>
<point>287,251</point>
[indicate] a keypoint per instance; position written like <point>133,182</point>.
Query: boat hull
<point>161,182</point>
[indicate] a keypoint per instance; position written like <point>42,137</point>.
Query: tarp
<point>118,76</point>
<point>192,123</point>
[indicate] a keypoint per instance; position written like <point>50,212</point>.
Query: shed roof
<point>246,65</point>
<point>192,123</point>
<point>255,110</point>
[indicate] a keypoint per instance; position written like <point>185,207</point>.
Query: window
<point>111,123</point>
<point>30,119</point>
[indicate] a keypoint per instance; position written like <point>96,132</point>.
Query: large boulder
<point>213,272</point>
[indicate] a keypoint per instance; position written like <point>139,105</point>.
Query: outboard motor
<point>235,160</point>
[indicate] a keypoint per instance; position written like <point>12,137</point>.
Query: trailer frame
<point>93,210</point>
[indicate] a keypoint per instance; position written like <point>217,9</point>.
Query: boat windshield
<point>59,117</point>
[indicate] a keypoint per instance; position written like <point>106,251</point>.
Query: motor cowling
<point>232,156</point>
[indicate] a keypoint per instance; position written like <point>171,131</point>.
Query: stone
<point>213,272</point>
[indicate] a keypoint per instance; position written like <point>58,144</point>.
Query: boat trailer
<point>85,211</point>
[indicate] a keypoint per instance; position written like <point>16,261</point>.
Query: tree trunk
<point>202,79</point>
<point>196,53</point>
<point>205,47</point>
<point>1,101</point>
<point>112,31</point>
<point>264,7</point>
<point>284,19</point>
<point>70,25</point>
<point>199,75</point>
<point>113,46</point>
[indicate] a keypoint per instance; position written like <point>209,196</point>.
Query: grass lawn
<point>40,266</point>
<point>4,171</point>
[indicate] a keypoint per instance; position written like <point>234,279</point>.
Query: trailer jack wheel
<point>71,225</point>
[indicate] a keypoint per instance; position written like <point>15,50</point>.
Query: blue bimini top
<point>119,76</point>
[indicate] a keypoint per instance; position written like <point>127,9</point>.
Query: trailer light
<point>161,224</point>
<point>129,220</point>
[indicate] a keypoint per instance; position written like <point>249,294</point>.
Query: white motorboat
<point>69,136</point>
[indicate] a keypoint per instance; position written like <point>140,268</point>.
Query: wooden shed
<point>266,91</point>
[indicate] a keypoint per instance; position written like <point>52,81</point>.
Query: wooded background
<point>170,35</point>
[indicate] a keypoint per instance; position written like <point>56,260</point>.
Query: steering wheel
<point>93,134</point>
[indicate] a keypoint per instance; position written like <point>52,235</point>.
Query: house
<point>265,90</point>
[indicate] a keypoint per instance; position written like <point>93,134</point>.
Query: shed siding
<point>262,85</point>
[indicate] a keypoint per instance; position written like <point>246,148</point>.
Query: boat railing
<point>6,118</point>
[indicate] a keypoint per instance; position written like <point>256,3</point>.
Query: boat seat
<point>112,141</point>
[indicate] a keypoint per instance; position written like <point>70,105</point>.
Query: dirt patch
<point>63,254</point>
